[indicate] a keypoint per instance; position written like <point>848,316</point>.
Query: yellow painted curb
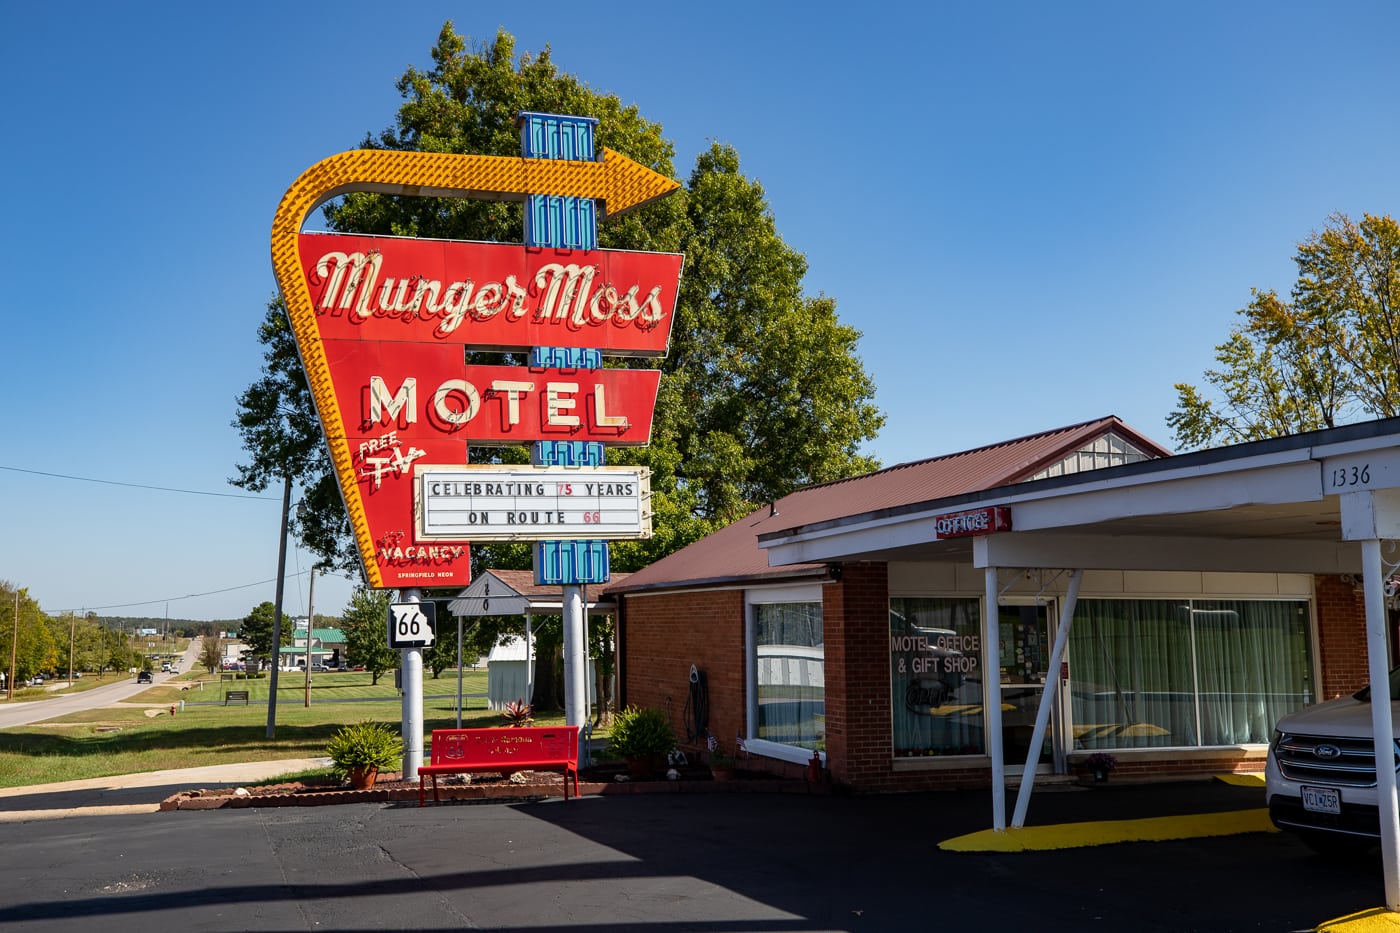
<point>1241,780</point>
<point>1377,920</point>
<point>1107,832</point>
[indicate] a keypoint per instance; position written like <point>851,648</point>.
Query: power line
<point>171,599</point>
<point>112,482</point>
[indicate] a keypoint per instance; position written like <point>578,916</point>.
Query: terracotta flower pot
<point>363,778</point>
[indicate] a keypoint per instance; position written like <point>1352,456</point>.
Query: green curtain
<point>1186,673</point>
<point>1130,674</point>
<point>1252,664</point>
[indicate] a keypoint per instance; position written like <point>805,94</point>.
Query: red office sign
<point>974,522</point>
<point>490,295</point>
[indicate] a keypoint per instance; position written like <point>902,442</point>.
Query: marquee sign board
<point>493,503</point>
<point>383,326</point>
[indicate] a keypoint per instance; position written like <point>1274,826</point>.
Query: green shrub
<point>640,732</point>
<point>365,744</point>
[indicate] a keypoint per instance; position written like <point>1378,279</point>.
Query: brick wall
<point>664,635</point>
<point>1341,637</point>
<point>856,626</point>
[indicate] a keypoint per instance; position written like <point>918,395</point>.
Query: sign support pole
<point>566,222</point>
<point>411,668</point>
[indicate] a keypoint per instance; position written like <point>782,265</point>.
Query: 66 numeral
<point>1352,476</point>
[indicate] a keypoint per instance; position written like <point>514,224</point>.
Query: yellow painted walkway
<point>1107,832</point>
<point>1160,829</point>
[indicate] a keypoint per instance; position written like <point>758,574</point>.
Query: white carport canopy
<point>1327,502</point>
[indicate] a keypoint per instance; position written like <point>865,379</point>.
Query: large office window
<point>791,674</point>
<point>936,677</point>
<point>1151,673</point>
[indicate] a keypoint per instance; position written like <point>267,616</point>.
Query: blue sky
<point>1037,214</point>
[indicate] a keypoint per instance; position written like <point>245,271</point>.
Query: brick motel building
<point>1200,597</point>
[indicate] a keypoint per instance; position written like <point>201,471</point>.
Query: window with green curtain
<point>1153,673</point>
<point>935,676</point>
<point>1253,666</point>
<point>791,664</point>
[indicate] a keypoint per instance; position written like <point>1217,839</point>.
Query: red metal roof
<point>732,553</point>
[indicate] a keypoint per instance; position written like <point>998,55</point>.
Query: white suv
<point>1321,774</point>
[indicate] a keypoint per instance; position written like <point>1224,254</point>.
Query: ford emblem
<point>1327,752</point>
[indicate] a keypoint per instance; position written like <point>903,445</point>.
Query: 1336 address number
<point>1358,474</point>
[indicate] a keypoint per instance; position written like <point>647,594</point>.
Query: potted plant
<point>1099,764</point>
<point>721,765</point>
<point>641,736</point>
<point>360,750</point>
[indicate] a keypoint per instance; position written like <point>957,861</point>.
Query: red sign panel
<point>490,295</point>
<point>405,404</point>
<point>973,522</point>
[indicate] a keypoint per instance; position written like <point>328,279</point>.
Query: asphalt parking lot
<point>668,862</point>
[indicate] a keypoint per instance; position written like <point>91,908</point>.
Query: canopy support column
<point>1377,657</point>
<point>1370,516</point>
<point>991,710</point>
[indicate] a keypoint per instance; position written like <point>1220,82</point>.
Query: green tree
<point>1329,355</point>
<point>256,631</point>
<point>365,624</point>
<point>34,650</point>
<point>114,649</point>
<point>751,359</point>
<point>211,653</point>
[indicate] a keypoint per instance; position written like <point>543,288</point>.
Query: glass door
<point>1024,649</point>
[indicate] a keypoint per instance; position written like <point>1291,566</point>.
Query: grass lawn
<point>131,738</point>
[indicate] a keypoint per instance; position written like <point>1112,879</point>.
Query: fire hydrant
<point>172,709</point>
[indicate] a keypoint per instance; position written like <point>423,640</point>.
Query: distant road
<point>22,714</point>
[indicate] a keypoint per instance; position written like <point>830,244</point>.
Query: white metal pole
<point>1047,700</point>
<point>459,672</point>
<point>991,718</point>
<point>575,660</point>
<point>411,673</point>
<point>529,659</point>
<point>1377,658</point>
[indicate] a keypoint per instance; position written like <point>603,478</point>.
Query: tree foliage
<point>256,631</point>
<point>762,390</point>
<point>35,650</point>
<point>211,653</point>
<point>364,623</point>
<point>1328,355</point>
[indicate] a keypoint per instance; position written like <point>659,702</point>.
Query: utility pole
<point>277,610</point>
<point>14,650</point>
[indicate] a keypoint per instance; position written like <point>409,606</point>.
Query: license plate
<point>1322,800</point>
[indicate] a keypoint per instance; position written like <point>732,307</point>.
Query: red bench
<point>532,748</point>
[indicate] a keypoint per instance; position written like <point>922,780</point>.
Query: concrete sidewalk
<point>134,793</point>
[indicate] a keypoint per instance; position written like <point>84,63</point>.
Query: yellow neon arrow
<point>619,182</point>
